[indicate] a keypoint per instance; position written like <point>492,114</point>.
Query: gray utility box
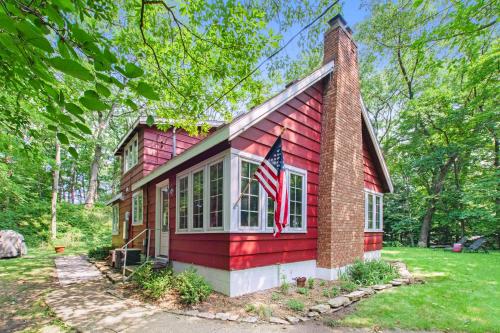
<point>133,257</point>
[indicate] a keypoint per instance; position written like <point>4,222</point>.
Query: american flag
<point>271,175</point>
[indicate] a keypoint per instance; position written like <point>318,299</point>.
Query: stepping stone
<point>222,316</point>
<point>368,291</point>
<point>292,320</point>
<point>249,319</point>
<point>276,320</point>
<point>338,301</point>
<point>206,315</point>
<point>313,314</point>
<point>321,308</point>
<point>355,295</point>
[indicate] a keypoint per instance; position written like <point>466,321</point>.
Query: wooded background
<point>77,74</point>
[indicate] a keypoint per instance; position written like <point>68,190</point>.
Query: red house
<point>185,189</point>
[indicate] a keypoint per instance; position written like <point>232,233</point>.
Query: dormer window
<point>131,155</point>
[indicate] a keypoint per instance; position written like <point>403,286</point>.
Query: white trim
<point>115,220</point>
<point>240,124</point>
<point>136,194</point>
<point>371,195</point>
<point>117,197</point>
<point>330,273</point>
<point>372,255</point>
<point>378,151</point>
<point>126,167</point>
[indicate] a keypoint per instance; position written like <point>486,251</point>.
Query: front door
<point>164,215</point>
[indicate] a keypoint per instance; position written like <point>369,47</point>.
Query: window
<point>373,211</point>
<point>198,199</point>
<point>131,155</point>
<point>271,207</point>
<point>296,200</point>
<point>116,219</point>
<point>249,205</point>
<point>183,203</point>
<point>137,208</point>
<point>216,195</point>
<point>164,210</point>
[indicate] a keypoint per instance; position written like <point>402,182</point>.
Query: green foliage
<point>192,287</point>
<point>348,285</point>
<point>154,284</point>
<point>99,253</point>
<point>77,226</point>
<point>295,305</point>
<point>332,292</point>
<point>332,323</point>
<point>310,283</point>
<point>250,307</point>
<point>264,312</point>
<point>285,286</point>
<point>366,273</point>
<point>303,291</point>
<point>276,297</point>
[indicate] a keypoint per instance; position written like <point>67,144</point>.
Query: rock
<point>249,319</point>
<point>321,308</point>
<point>396,283</point>
<point>232,316</point>
<point>206,315</point>
<point>338,301</point>
<point>12,244</point>
<point>292,320</point>
<point>355,295</point>
<point>222,316</point>
<point>51,329</point>
<point>380,287</point>
<point>303,319</point>
<point>368,291</point>
<point>192,312</point>
<point>276,320</point>
<point>313,314</point>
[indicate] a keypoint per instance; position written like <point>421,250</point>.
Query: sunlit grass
<point>461,294</point>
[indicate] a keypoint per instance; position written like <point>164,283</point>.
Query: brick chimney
<point>341,199</point>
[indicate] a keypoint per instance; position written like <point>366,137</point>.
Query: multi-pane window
<point>216,195</point>
<point>373,212</point>
<point>296,200</point>
<point>198,200</point>
<point>137,208</point>
<point>131,155</point>
<point>183,203</point>
<point>271,206</point>
<point>116,218</point>
<point>249,209</point>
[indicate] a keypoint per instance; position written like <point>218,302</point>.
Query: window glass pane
<point>183,203</point>
<point>379,213</point>
<point>369,211</point>
<point>164,211</point>
<point>270,212</point>
<point>198,199</point>
<point>296,199</point>
<point>216,194</point>
<point>249,205</point>
<point>115,219</point>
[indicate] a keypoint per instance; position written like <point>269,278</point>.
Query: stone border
<point>315,312</point>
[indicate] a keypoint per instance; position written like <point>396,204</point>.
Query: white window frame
<point>134,196</point>
<point>205,166</point>
<point>178,204</point>
<point>135,154</point>
<point>378,210</point>
<point>260,211</point>
<point>115,224</point>
<point>263,228</point>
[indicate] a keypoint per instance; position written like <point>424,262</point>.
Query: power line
<point>327,9</point>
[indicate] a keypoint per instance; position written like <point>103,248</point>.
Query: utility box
<point>133,257</point>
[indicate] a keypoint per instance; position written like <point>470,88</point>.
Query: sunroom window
<point>373,211</point>
<point>296,201</point>
<point>216,195</point>
<point>249,211</point>
<point>198,200</point>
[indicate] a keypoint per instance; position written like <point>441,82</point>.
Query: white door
<point>164,216</point>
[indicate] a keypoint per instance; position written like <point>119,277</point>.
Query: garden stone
<point>292,320</point>
<point>249,320</point>
<point>232,316</point>
<point>368,291</point>
<point>313,314</point>
<point>380,287</point>
<point>276,320</point>
<point>222,316</point>
<point>192,312</point>
<point>206,315</point>
<point>338,301</point>
<point>396,283</point>
<point>321,308</point>
<point>355,295</point>
<point>303,319</point>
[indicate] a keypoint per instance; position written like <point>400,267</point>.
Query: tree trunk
<point>437,187</point>
<point>55,190</point>
<point>72,184</point>
<point>94,174</point>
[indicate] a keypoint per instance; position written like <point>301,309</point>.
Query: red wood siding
<point>371,167</point>
<point>301,146</point>
<point>373,241</point>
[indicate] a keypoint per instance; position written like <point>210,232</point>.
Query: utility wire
<point>271,56</point>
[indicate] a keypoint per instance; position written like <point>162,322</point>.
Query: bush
<point>192,287</point>
<point>99,253</point>
<point>264,312</point>
<point>303,291</point>
<point>295,305</point>
<point>310,283</point>
<point>332,292</point>
<point>153,284</point>
<point>285,286</point>
<point>370,272</point>
<point>347,285</point>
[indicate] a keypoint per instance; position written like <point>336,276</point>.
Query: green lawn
<point>24,282</point>
<point>462,294</point>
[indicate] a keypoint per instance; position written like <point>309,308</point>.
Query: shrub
<point>370,272</point>
<point>250,307</point>
<point>275,297</point>
<point>192,287</point>
<point>348,286</point>
<point>322,283</point>
<point>334,291</point>
<point>285,286</point>
<point>310,283</point>
<point>99,253</point>
<point>332,323</point>
<point>295,305</point>
<point>153,284</point>
<point>264,312</point>
<point>303,291</point>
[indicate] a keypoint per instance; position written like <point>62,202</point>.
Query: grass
<point>24,283</point>
<point>462,294</point>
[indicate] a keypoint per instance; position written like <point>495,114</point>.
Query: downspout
<point>174,143</point>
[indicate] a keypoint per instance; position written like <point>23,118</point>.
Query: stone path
<point>75,269</point>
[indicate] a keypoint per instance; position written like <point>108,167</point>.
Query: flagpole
<point>283,129</point>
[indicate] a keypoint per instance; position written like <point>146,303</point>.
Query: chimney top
<point>339,21</point>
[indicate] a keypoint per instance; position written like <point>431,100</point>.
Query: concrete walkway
<point>75,269</point>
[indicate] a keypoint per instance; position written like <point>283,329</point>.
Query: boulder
<point>338,301</point>
<point>12,244</point>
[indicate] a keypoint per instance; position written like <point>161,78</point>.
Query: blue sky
<point>352,12</point>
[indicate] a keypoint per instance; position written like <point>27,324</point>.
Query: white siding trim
<point>373,255</point>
